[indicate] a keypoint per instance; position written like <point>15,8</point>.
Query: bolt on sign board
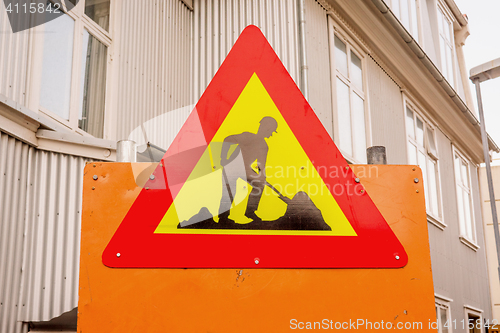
<point>253,169</point>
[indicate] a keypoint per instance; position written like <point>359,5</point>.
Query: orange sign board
<point>254,300</point>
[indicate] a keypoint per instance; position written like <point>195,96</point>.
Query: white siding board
<point>387,114</point>
<point>318,62</point>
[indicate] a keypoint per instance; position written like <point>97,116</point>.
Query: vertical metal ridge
<point>155,61</point>
<point>13,180</point>
<point>221,22</point>
<point>51,259</point>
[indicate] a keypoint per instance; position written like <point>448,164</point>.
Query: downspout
<point>302,47</point>
<point>427,62</point>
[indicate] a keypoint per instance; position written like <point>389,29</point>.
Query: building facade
<point>490,241</point>
<point>376,72</point>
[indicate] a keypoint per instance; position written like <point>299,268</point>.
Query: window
<point>407,13</point>
<point>74,65</point>
<point>446,45</point>
<point>474,320</point>
<point>422,151</point>
<point>349,98</point>
<point>443,319</point>
<point>464,200</point>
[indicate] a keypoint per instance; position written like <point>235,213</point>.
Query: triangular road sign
<point>287,200</point>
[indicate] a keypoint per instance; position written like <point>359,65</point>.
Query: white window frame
<point>351,45</point>
<point>442,8</point>
<point>437,221</point>
<point>82,22</point>
<point>472,243</point>
<point>476,312</point>
<point>441,302</point>
<point>414,19</point>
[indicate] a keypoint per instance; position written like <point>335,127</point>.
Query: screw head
<point>413,169</point>
<point>356,180</point>
<point>94,165</point>
<point>416,180</point>
<point>152,177</point>
<point>93,187</point>
<point>417,191</point>
<point>397,257</point>
<point>362,191</point>
<point>256,261</point>
<point>118,255</point>
<point>94,177</point>
<point>147,188</point>
<point>347,168</point>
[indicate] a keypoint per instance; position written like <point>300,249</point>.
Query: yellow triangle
<point>288,169</point>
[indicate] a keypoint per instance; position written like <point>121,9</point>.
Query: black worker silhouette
<point>301,213</point>
<point>253,148</point>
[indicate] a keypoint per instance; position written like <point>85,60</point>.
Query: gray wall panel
<point>387,116</point>
<point>318,63</point>
<point>153,61</point>
<point>52,250</point>
<point>40,205</point>
<point>218,23</point>
<point>14,163</point>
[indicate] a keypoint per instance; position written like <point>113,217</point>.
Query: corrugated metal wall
<point>318,62</point>
<point>153,61</point>
<point>218,23</point>
<point>168,54</point>
<point>14,164</point>
<point>386,111</point>
<point>40,205</point>
<point>459,272</point>
<point>52,250</point>
<point>13,60</point>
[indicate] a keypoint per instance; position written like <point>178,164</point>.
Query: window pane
<point>432,185</point>
<point>405,14</point>
<point>414,20</point>
<point>410,126</point>
<point>458,175</point>
<point>57,62</point>
<point>446,29</point>
<point>98,11</point>
<point>444,66</point>
<point>422,163</point>
<point>461,216</point>
<point>344,117</point>
<point>356,71</point>
<point>340,56</point>
<point>449,64</point>
<point>431,142</point>
<point>93,86</point>
<point>420,132</point>
<point>412,154</point>
<point>358,127</point>
<point>396,9</point>
<point>440,21</point>
<point>465,174</point>
<point>444,321</point>
<point>468,217</point>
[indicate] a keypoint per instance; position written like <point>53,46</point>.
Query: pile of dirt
<point>301,214</point>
